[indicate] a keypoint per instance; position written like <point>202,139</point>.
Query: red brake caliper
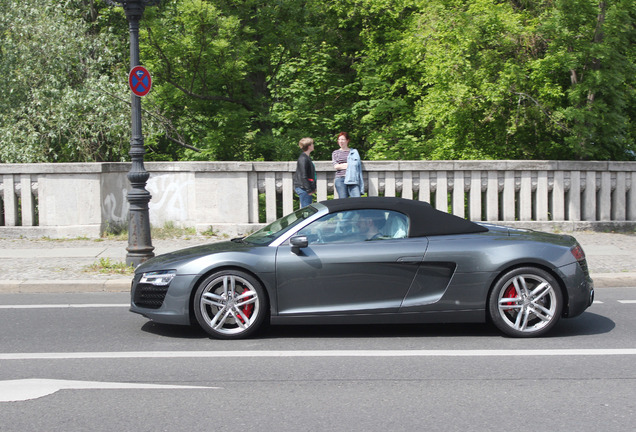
<point>247,310</point>
<point>510,293</point>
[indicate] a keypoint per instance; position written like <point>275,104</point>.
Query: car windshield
<point>271,232</point>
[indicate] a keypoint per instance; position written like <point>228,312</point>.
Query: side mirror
<point>298,242</point>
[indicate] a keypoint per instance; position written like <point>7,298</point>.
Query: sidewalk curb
<point>601,280</point>
<point>66,286</point>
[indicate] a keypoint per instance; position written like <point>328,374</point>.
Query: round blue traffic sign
<point>140,81</point>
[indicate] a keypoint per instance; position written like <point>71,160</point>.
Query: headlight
<point>158,278</point>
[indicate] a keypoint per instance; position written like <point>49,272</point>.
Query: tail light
<point>577,252</point>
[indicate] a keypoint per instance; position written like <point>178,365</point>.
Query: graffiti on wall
<point>169,199</point>
<point>114,211</point>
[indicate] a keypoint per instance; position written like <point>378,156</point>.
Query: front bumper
<point>167,305</point>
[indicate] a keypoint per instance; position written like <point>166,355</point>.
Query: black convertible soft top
<point>425,220</point>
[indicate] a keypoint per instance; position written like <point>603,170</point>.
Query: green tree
<point>64,97</point>
<point>588,45</point>
<point>454,79</point>
<point>247,79</point>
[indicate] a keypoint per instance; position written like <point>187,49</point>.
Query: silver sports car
<point>369,260</point>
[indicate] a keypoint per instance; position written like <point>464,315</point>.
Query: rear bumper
<point>579,289</point>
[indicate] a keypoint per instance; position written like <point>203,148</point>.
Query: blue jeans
<point>304,197</point>
<point>345,190</point>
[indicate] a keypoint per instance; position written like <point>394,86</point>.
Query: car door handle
<point>410,259</point>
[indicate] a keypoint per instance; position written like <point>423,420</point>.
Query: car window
<point>279,227</point>
<point>356,226</point>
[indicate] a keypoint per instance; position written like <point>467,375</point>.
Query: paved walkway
<point>64,265</point>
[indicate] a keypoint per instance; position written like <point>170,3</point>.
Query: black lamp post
<point>140,246</point>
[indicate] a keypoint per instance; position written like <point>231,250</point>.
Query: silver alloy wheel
<point>527,303</point>
<point>229,305</point>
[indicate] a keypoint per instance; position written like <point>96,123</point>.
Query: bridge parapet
<point>86,199</point>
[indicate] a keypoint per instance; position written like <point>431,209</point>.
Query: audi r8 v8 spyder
<point>369,260</point>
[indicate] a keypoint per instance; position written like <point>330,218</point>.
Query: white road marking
<point>627,301</point>
<point>315,353</point>
<point>26,389</point>
<point>64,306</point>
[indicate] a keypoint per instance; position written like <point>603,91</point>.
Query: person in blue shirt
<point>348,166</point>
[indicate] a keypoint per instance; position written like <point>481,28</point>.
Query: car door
<point>344,271</point>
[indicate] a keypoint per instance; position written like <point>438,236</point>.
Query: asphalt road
<point>79,362</point>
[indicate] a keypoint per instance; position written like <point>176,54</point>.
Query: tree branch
<point>166,122</point>
<point>207,97</point>
<point>544,110</point>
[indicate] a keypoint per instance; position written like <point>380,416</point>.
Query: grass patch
<point>210,232</point>
<point>170,230</point>
<point>61,240</point>
<point>115,231</point>
<point>108,266</point>
<point>111,236</point>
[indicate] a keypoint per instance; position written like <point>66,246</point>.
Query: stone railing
<point>70,200</point>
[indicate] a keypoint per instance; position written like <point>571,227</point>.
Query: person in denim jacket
<point>348,166</point>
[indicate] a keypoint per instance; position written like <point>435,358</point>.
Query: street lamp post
<point>140,246</point>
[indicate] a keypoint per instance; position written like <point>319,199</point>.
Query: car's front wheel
<point>525,302</point>
<point>230,304</point>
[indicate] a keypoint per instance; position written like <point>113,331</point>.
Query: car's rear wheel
<point>230,304</point>
<point>526,302</point>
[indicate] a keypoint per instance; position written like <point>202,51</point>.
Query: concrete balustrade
<point>86,199</point>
